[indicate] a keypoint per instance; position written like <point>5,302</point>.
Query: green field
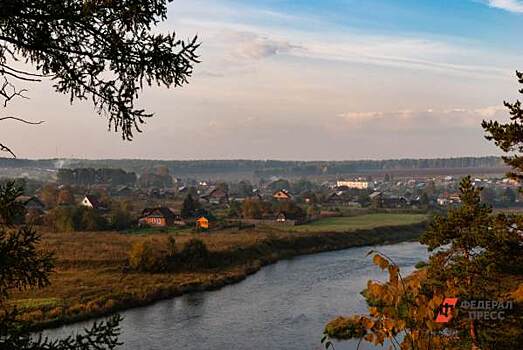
<point>361,222</point>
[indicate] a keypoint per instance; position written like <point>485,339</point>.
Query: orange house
<point>202,223</point>
<point>157,217</point>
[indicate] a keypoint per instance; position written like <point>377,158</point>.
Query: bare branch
<point>23,120</point>
<point>4,148</point>
<point>8,91</point>
<point>17,76</point>
<point>23,72</point>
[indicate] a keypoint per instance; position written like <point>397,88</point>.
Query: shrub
<point>194,254</point>
<point>144,257</point>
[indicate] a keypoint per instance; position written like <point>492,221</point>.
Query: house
<point>281,217</point>
<point>376,198</point>
<point>394,202</point>
<point>31,202</point>
<point>282,195</point>
<point>91,201</point>
<point>288,218</point>
<point>335,198</point>
<point>160,217</point>
<point>216,195</point>
<point>202,223</point>
<point>448,199</point>
<point>34,209</point>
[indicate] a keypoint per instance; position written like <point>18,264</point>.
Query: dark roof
<point>93,200</point>
<point>215,192</point>
<point>25,200</point>
<point>159,212</point>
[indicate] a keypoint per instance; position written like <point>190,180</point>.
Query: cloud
<point>233,42</point>
<point>507,5</point>
<point>362,118</point>
<point>421,119</point>
<point>249,45</point>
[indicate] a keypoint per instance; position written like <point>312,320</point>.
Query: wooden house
<point>216,195</point>
<point>282,195</point>
<point>160,217</point>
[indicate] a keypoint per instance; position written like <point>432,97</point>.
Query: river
<point>283,306</point>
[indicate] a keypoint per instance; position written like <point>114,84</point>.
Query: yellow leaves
<point>367,322</point>
<point>373,311</point>
<point>375,290</point>
<point>380,261</point>
<point>393,275</point>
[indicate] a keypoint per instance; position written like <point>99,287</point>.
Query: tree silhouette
<point>509,136</point>
<point>102,50</point>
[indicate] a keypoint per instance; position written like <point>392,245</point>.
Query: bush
<point>194,254</point>
<point>144,257</point>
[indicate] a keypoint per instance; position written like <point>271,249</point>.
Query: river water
<point>283,306</point>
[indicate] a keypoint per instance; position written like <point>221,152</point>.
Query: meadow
<point>360,222</point>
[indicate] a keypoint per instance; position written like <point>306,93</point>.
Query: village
<point>109,199</point>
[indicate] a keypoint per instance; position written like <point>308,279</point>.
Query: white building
<point>91,202</point>
<point>358,184</point>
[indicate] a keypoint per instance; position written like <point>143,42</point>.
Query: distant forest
<point>90,176</point>
<point>260,168</point>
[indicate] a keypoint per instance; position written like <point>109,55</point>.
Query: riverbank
<point>89,281</point>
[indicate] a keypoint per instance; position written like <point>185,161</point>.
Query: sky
<point>308,80</point>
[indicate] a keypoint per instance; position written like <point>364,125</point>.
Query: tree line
<point>264,168</point>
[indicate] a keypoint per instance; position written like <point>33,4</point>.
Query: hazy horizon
<point>302,80</point>
<point>248,159</point>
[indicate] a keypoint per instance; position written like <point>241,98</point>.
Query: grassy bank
<point>89,280</point>
<point>360,222</point>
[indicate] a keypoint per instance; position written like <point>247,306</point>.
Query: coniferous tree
<point>509,136</point>
<point>190,207</point>
<point>22,266</point>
